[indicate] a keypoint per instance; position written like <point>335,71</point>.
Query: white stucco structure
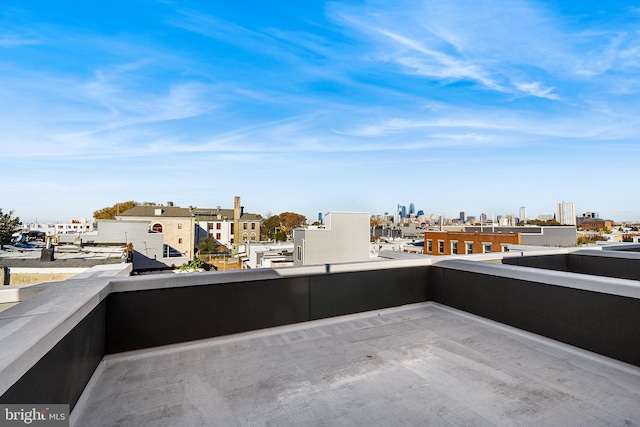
<point>345,238</point>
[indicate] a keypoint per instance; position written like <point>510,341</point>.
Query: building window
<point>244,225</point>
<point>505,248</point>
<point>299,253</point>
<point>429,245</point>
<point>253,225</point>
<point>218,236</point>
<point>179,226</point>
<point>210,226</point>
<point>218,226</point>
<point>440,246</point>
<point>486,248</point>
<point>157,228</point>
<point>454,247</point>
<point>179,240</point>
<point>468,247</point>
<point>253,236</point>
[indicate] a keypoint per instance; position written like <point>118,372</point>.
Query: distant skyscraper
<point>402,211</point>
<point>412,209</point>
<point>320,217</point>
<point>523,213</point>
<point>566,213</point>
<point>463,216</point>
<point>420,213</point>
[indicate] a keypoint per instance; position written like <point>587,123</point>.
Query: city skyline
<point>320,106</point>
<point>393,214</point>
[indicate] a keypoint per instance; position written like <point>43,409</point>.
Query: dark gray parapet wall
<point>627,247</point>
<point>151,311</point>
<point>619,264</point>
<point>594,313</point>
<point>51,343</point>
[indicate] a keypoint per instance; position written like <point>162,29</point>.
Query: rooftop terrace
<point>400,342</point>
<point>422,364</point>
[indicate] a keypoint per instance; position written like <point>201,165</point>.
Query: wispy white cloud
<point>414,54</point>
<point>14,41</point>
<point>536,89</point>
<point>521,48</point>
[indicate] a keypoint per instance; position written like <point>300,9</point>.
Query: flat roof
<point>420,364</point>
<point>65,256</point>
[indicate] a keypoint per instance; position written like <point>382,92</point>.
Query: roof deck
<point>420,364</point>
<point>400,342</point>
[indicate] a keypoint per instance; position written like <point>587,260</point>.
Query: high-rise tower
<point>523,214</point>
<point>566,213</point>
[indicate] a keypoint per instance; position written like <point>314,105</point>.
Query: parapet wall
<point>597,314</point>
<point>619,264</point>
<point>52,343</point>
<point>168,315</point>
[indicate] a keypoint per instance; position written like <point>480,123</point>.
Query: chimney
<point>241,211</point>
<point>236,219</point>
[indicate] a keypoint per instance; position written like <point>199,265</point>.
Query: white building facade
<point>345,238</point>
<point>567,213</point>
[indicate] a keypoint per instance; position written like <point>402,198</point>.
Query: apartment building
<point>462,243</point>
<point>175,223</point>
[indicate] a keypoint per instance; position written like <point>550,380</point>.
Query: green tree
<point>280,236</point>
<point>8,226</point>
<point>110,212</point>
<point>208,245</point>
<point>270,226</point>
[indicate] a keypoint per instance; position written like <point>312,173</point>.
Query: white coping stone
<point>21,270</point>
<point>17,293</point>
<point>161,281</point>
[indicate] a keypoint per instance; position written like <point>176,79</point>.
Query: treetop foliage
<point>291,220</point>
<point>110,212</point>
<point>275,226</point>
<point>269,226</point>
<point>208,245</point>
<point>8,226</point>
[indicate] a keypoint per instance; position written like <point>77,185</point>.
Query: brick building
<point>460,243</point>
<point>596,224</point>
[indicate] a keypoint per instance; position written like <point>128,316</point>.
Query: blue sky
<point>476,106</point>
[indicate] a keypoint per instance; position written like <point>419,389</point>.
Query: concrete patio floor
<point>423,364</point>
